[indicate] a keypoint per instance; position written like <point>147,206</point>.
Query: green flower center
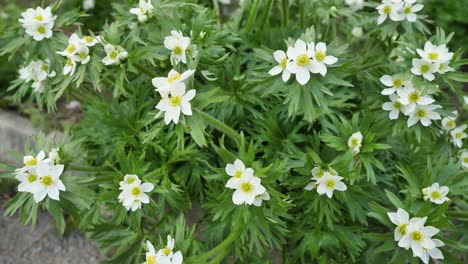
<point>459,135</point>
<point>402,228</point>
<point>330,183</point>
<point>397,105</point>
<point>407,10</point>
<point>175,100</point>
<point>465,160</point>
<point>130,180</point>
<point>320,174</point>
<point>174,77</point>
<point>435,195</point>
<point>113,54</point>
<point>69,61</point>
<point>71,48</point>
<point>31,162</point>
<point>166,251</point>
<point>136,191</point>
<point>246,187</point>
<point>387,9</point>
<point>177,50</point>
<point>433,55</point>
<point>39,17</point>
<point>413,97</point>
<point>319,55</point>
<point>424,68</point>
<point>41,29</point>
<point>44,68</point>
<point>421,113</point>
<point>397,83</point>
<point>302,60</point>
<point>31,178</point>
<point>417,236</point>
<point>238,174</point>
<point>283,62</point>
<point>354,142</point>
<point>451,123</point>
<point>83,55</point>
<point>47,180</point>
<point>88,38</point>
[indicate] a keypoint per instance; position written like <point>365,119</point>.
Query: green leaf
<point>54,209</point>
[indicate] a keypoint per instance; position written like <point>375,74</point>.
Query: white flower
<point>153,258</point>
<point>129,179</point>
<point>418,236</point>
<point>90,41</point>
<point>88,4</point>
<point>133,195</point>
<point>82,54</point>
<point>464,159</point>
<point>357,32</point>
<point>320,58</point>
<point>237,171</point>
<point>38,22</point>
<point>434,253</point>
<point>74,42</point>
<point>54,155</point>
<point>31,162</point>
<point>28,180</point>
<point>174,79</point>
<point>70,66</point>
<point>401,219</point>
<point>355,142</point>
<point>396,84</point>
<point>318,173</point>
<point>355,4</point>
<point>192,51</point>
<point>411,97</point>
<point>114,55</point>
<point>444,68</point>
<point>143,11</point>
<point>225,2</point>
<point>174,102</point>
<point>300,61</point>
<point>389,8</point>
<point>37,71</point>
<point>435,54</point>
<point>394,106</point>
<point>424,114</point>
<point>458,134</point>
<point>435,193</point>
<point>408,10</point>
<point>282,60</point>
<point>178,44</point>
<point>49,183</point>
<point>448,123</point>
<point>260,198</point>
<point>249,188</point>
<point>329,183</point>
<point>167,251</point>
<point>424,68</point>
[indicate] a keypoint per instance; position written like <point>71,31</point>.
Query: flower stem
<point>253,13</point>
<point>219,125</point>
<point>285,12</point>
<point>221,246</point>
<point>144,70</point>
<point>84,168</point>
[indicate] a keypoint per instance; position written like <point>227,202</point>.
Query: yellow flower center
<point>433,55</point>
<point>459,135</point>
<point>283,62</point>
<point>424,68</point>
<point>83,55</point>
<point>41,29</point>
<point>246,187</point>
<point>387,9</point>
<point>130,180</point>
<point>435,195</point>
<point>413,97</point>
<point>402,228</point>
<point>31,178</point>
<point>113,54</point>
<point>174,77</point>
<point>136,191</point>
<point>451,123</point>
<point>150,260</point>
<point>417,236</point>
<point>421,113</point>
<point>397,83</point>
<point>177,50</point>
<point>88,38</point>
<point>238,174</point>
<point>320,174</point>
<point>302,60</point>
<point>69,62</point>
<point>166,251</point>
<point>47,180</point>
<point>39,17</point>
<point>330,183</point>
<point>31,162</point>
<point>142,10</point>
<point>397,105</point>
<point>71,48</point>
<point>44,68</point>
<point>407,10</point>
<point>175,100</point>
<point>354,142</point>
<point>465,160</point>
<point>319,55</point>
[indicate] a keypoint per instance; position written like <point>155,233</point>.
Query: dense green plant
<point>225,131</point>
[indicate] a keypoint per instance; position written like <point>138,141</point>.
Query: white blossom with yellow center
<point>320,58</point>
<point>389,8</point>
<point>355,142</point>
<point>38,22</point>
<point>151,257</point>
<point>395,106</point>
<point>449,122</point>
<point>133,193</point>
<point>464,159</point>
<point>425,114</point>
<point>282,59</point>
<point>300,61</point>
<point>178,44</point>
<point>48,182</point>
<point>424,68</point>
<point>143,11</point>
<point>248,189</point>
<point>37,71</point>
<point>408,11</point>
<point>329,183</point>
<point>114,55</point>
<point>457,135</point>
<point>418,237</point>
<point>435,54</point>
<point>237,171</point>
<point>395,83</point>
<point>173,79</point>
<point>175,102</point>
<point>411,97</point>
<point>435,193</point>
